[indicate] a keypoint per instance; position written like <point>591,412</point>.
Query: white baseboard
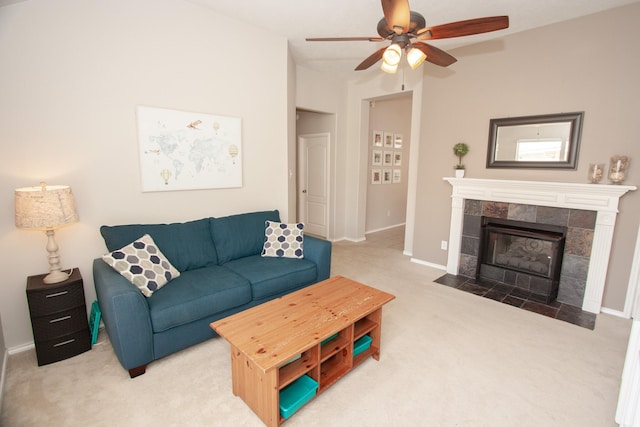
<point>362,239</point>
<point>429,264</point>
<point>21,348</point>
<point>616,313</point>
<point>384,228</point>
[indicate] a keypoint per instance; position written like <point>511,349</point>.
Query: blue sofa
<point>221,273</point>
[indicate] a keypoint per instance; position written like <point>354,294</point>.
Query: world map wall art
<point>180,150</point>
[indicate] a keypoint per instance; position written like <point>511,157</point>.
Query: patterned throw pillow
<point>142,263</point>
<point>283,240</point>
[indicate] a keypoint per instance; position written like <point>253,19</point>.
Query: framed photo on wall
<point>376,157</point>
<point>386,176</point>
<point>397,158</point>
<point>387,158</point>
<point>376,176</point>
<point>397,174</point>
<point>182,150</point>
<point>388,140</point>
<point>378,137</point>
<point>397,140</point>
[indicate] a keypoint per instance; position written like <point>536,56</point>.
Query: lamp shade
<point>415,57</point>
<point>45,207</point>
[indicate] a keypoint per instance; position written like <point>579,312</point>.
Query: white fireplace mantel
<point>595,197</point>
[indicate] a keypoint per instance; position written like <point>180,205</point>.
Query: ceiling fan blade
<point>372,59</point>
<point>464,28</point>
<point>344,39</point>
<point>435,55</point>
<point>397,15</point>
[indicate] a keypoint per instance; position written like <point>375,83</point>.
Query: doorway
<point>315,192</point>
<point>388,163</point>
<point>313,182</point>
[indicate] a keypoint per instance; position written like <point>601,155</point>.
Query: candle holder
<point>596,170</point>
<point>618,169</point>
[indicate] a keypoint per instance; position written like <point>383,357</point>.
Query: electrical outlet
<point>443,245</point>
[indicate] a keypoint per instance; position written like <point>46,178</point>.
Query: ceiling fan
<point>404,28</point>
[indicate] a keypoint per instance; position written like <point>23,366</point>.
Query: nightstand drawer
<point>58,298</point>
<point>63,347</point>
<point>55,325</point>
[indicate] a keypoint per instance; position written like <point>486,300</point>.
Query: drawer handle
<point>57,294</point>
<point>64,342</point>
<point>60,319</point>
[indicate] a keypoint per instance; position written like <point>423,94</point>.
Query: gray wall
<point>563,67</point>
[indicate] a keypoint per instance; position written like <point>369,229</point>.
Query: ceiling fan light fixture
<point>391,69</point>
<point>415,57</point>
<point>392,55</point>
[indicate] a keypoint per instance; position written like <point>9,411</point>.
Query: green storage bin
<point>361,345</point>
<point>296,394</point>
<point>326,340</point>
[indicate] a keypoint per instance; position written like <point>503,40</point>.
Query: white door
<point>313,185</point>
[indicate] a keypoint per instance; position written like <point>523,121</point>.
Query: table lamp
<point>47,207</point>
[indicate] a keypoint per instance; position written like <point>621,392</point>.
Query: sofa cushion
<point>142,263</point>
<point>271,276</point>
<point>283,240</point>
<point>197,294</point>
<point>187,245</point>
<point>241,235</point>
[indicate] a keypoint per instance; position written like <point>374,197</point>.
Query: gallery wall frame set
<point>387,139</point>
<point>384,155</point>
<point>386,176</point>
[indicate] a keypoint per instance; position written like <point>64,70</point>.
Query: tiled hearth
<point>520,298</point>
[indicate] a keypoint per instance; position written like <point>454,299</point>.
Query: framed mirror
<point>549,141</point>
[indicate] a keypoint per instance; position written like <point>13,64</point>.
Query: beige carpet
<point>448,358</point>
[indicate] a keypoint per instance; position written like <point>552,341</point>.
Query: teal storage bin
<point>324,341</point>
<point>296,394</point>
<point>361,345</point>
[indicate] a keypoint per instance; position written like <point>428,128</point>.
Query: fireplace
<point>601,200</point>
<point>531,251</point>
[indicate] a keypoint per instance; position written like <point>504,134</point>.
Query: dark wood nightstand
<point>58,318</point>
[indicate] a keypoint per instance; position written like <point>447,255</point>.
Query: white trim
<point>616,313</point>
<point>632,303</point>
<point>384,228</point>
<point>20,348</point>
<point>358,240</point>
<point>3,375</point>
<point>627,414</point>
<point>429,264</point>
<point>600,198</point>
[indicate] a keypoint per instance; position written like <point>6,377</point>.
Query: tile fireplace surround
<point>603,199</point>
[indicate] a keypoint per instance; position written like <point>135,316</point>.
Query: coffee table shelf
<point>266,340</point>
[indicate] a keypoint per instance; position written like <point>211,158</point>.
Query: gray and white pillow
<point>143,264</point>
<point>283,240</point>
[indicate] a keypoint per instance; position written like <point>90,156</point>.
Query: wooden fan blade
<point>344,39</point>
<point>435,55</point>
<point>464,28</point>
<point>397,15</point>
<point>372,59</point>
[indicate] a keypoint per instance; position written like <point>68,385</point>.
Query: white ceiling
<point>297,19</point>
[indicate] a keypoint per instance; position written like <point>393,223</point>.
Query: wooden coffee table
<point>338,311</point>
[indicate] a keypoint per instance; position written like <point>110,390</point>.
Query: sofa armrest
<point>125,313</point>
<point>318,251</point>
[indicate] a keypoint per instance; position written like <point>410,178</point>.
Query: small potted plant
<point>460,150</point>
